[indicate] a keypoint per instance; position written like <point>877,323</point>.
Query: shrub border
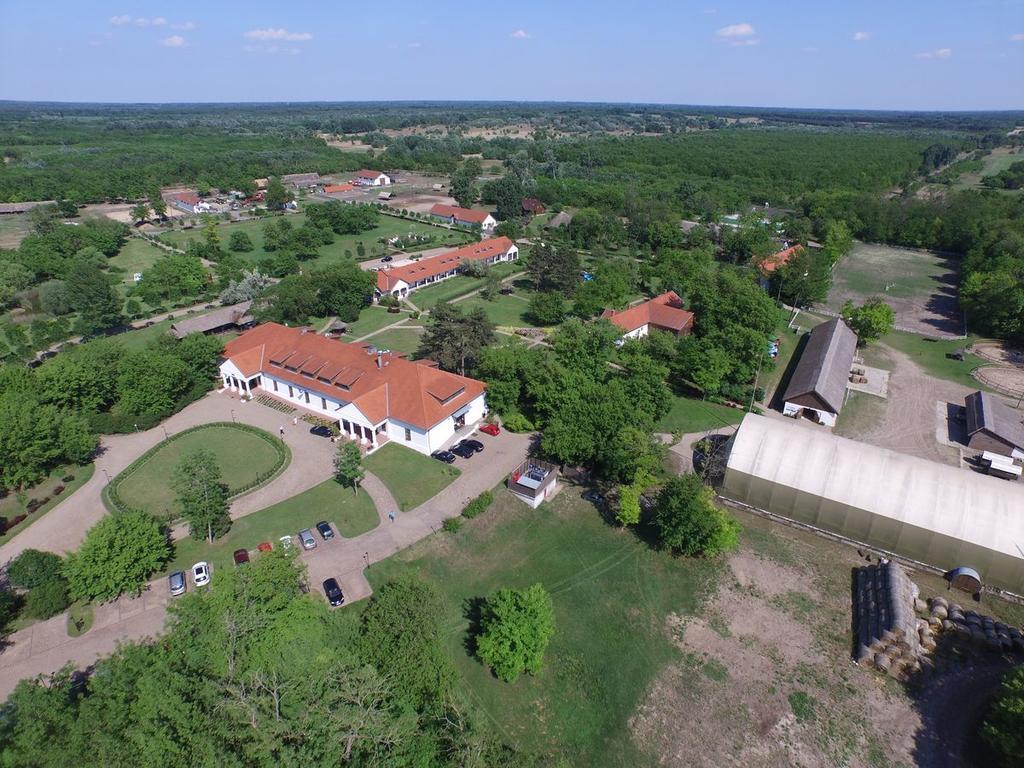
<point>114,503</point>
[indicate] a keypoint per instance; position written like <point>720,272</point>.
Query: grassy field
<point>11,506</point>
<point>411,477</point>
<point>691,415</point>
<point>457,286</point>
<point>931,356</point>
<point>350,513</point>
<point>137,255</point>
<point>507,311</point>
<point>388,226</point>
<point>372,319</point>
<point>13,229</point>
<point>612,594</point>
<point>404,340</point>
<point>240,454</point>
<point>139,338</point>
<point>999,159</point>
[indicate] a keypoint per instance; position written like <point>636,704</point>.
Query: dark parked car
<point>241,556</point>
<point>475,445</point>
<point>333,592</point>
<point>321,431</point>
<point>463,450</point>
<point>446,456</point>
<point>176,581</point>
<point>324,529</point>
<point>387,258</point>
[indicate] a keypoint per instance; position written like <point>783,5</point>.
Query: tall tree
<point>348,465</point>
<point>455,338</point>
<point>202,494</point>
<point>463,183</point>
<point>95,298</point>
<point>515,629</point>
<point>688,521</point>
<point>140,212</point>
<point>277,196</point>
<point>157,203</point>
<point>870,321</point>
<point>554,267</point>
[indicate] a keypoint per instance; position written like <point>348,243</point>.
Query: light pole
<point>106,475</point>
<point>166,436</point>
<point>232,414</point>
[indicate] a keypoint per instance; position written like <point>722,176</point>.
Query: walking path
<point>45,647</point>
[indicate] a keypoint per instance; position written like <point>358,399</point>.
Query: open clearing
<point>13,229</point>
<point>999,159</point>
<point>241,454</point>
<point>670,661</point>
<point>411,477</point>
<point>920,286</point>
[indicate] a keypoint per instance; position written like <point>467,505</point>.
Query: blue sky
<point>898,54</point>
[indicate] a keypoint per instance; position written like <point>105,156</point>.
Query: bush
<point>452,525</point>
<point>33,568</point>
<point>516,627</point>
<point>9,605</point>
<point>47,600</point>
<point>1003,729</point>
<point>67,478</point>
<point>688,521</point>
<point>478,505</point>
<point>516,422</point>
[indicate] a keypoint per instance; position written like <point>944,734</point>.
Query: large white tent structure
<point>941,515</point>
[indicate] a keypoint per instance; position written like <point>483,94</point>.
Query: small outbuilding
<point>994,426</point>
<point>817,388</point>
<point>301,180</point>
<point>230,318</point>
<point>531,206</point>
<point>559,220</point>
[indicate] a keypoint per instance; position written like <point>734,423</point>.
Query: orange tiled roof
<point>770,263</point>
<point>459,214</point>
<point>664,311</point>
<point>438,265</point>
<point>332,188</point>
<point>365,174</point>
<point>411,392</point>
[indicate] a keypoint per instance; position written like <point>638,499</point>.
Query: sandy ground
<point>905,421</point>
<point>779,626</point>
<point>1007,375</point>
<point>920,286</point>
<point>420,202</point>
<point>121,211</point>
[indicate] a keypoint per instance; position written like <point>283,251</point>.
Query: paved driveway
<point>63,527</point>
<point>45,647</point>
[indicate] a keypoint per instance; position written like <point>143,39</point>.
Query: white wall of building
<point>827,418</point>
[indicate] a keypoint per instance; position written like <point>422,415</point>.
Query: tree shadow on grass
<point>473,611</point>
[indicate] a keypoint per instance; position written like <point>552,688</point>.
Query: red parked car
<point>265,546</point>
<point>241,556</point>
<point>491,429</point>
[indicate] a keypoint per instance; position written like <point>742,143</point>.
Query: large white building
<point>373,396</point>
<point>399,281</point>
<point>367,178</point>
<point>936,514</point>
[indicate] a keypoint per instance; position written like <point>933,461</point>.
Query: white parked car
<point>286,542</point>
<point>201,573</point>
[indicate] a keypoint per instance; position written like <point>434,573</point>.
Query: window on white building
<point>408,434</point>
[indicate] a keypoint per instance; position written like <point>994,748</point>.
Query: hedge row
<point>114,503</point>
<point>478,505</point>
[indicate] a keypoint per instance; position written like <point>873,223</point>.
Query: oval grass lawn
<point>243,455</point>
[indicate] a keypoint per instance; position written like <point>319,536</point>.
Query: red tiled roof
<point>365,174</point>
<point>332,188</point>
<point>459,214</point>
<point>188,198</point>
<point>410,392</point>
<point>438,265</point>
<point>533,205</point>
<point>770,263</point>
<point>664,311</point>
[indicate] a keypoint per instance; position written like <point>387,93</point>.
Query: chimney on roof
<point>383,357</point>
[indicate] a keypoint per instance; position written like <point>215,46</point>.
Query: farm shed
<point>232,317</point>
<point>994,426</point>
<point>941,515</point>
<point>817,389</point>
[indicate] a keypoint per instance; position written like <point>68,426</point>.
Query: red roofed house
<point>769,264</point>
<point>465,217</point>
<point>399,281</point>
<point>664,312</point>
<point>373,396</point>
<point>366,178</point>
<point>334,189</point>
<point>188,202</point>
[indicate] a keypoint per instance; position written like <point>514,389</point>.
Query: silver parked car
<point>176,582</point>
<point>306,538</point>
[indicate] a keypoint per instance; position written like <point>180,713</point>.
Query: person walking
<point>281,431</point>
<point>391,516</point>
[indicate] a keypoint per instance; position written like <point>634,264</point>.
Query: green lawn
<point>372,319</point>
<point>139,338</point>
<point>691,415</point>
<point>388,226</point>
<point>411,477</point>
<point>507,311</point>
<point>13,229</point>
<point>11,506</point>
<point>612,595</point>
<point>241,454</point>
<point>350,513</point>
<point>931,356</point>
<point>137,255</point>
<point>404,340</point>
<point>457,286</point>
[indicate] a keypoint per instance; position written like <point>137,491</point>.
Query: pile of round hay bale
<point>971,627</point>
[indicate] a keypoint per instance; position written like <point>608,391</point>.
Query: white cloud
<point>520,34</point>
<point>125,20</point>
<point>174,41</point>
<point>860,37</point>
<point>1018,38</point>
<point>415,45</point>
<point>158,21</point>
<point>120,21</point>
<point>272,50</point>
<point>938,53</point>
<point>738,35</point>
<point>278,34</point>
<point>184,25</point>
